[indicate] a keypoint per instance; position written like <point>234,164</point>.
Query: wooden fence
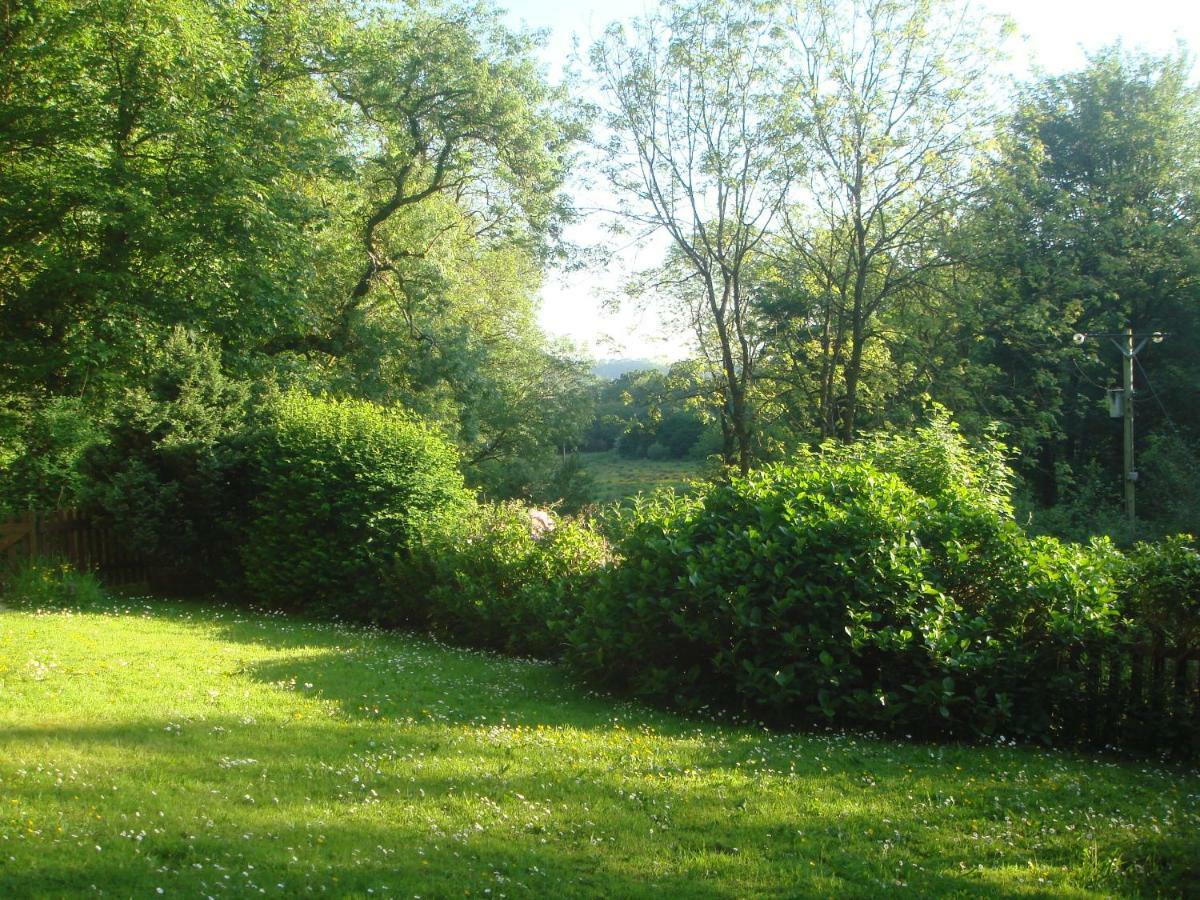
<point>1143,695</point>
<point>69,534</point>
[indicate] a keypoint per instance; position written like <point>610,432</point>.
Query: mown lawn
<point>617,478</point>
<point>197,751</point>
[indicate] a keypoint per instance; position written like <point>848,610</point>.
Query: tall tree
<point>890,96</point>
<point>1092,223</point>
<point>153,164</point>
<point>694,151</point>
<point>361,199</point>
<point>437,104</point>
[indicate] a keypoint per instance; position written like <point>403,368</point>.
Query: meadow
<point>149,748</point>
<point>616,478</point>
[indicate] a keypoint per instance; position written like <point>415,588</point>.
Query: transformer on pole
<point>1120,405</point>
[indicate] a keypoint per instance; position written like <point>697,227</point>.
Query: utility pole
<point>1130,472</point>
<point>1124,399</point>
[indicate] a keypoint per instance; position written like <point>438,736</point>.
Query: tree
<point>1091,222</point>
<point>695,153</point>
<point>356,200</point>
<point>889,96</point>
<point>444,105</point>
<point>156,160</point>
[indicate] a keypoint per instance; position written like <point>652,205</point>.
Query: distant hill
<point>613,369</point>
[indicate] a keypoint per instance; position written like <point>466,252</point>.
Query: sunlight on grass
<point>616,478</point>
<point>208,751</point>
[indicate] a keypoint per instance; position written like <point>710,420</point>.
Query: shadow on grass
<point>359,814</point>
<point>415,723</point>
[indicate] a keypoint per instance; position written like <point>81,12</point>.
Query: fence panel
<point>69,534</point>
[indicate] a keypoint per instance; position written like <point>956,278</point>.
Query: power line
<point>1084,375</point>
<point>1167,415</point>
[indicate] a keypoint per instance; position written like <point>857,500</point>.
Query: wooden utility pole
<point>1130,472</point>
<point>1123,341</point>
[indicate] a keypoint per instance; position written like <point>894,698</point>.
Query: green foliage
<point>168,473</point>
<point>48,584</point>
<point>657,452</point>
<point>774,592</point>
<point>1161,584</point>
<point>495,584</point>
<point>938,462</point>
<point>359,202</point>
<point>342,490</point>
<point>40,450</point>
<point>1168,497</point>
<point>571,487</point>
<point>1089,224</point>
<point>831,590</point>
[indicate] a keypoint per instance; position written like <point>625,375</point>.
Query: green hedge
<point>831,591</point>
<point>881,585</point>
<point>494,584</point>
<point>342,488</point>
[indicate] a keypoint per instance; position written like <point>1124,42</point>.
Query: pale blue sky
<point>1055,35</point>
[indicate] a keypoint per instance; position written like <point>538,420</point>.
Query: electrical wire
<point>1154,394</point>
<point>1086,377</point>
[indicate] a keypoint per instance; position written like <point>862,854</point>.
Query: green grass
<point>617,478</point>
<point>210,752</point>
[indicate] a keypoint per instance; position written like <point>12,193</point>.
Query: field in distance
<point>617,478</point>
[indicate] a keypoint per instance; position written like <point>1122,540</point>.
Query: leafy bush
<point>40,448</point>
<point>493,584</point>
<point>1161,586</point>
<point>776,590</point>
<point>678,432</point>
<point>342,489</point>
<point>833,591</point>
<point>168,471</point>
<point>936,461</point>
<point>658,452</point>
<point>50,583</point>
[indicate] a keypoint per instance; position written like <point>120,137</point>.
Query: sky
<point>1052,35</point>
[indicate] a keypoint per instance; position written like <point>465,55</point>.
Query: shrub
<point>495,585</point>
<point>46,583</point>
<point>1161,590</point>
<point>658,452</point>
<point>678,432</point>
<point>342,489</point>
<point>936,461</point>
<point>167,473</point>
<point>632,444</point>
<point>1032,610</point>
<point>780,590</point>
<point>832,591</point>
<point>40,447</point>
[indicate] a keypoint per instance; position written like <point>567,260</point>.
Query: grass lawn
<point>617,478</point>
<point>185,750</point>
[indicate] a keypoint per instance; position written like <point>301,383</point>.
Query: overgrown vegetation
<point>48,583</point>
